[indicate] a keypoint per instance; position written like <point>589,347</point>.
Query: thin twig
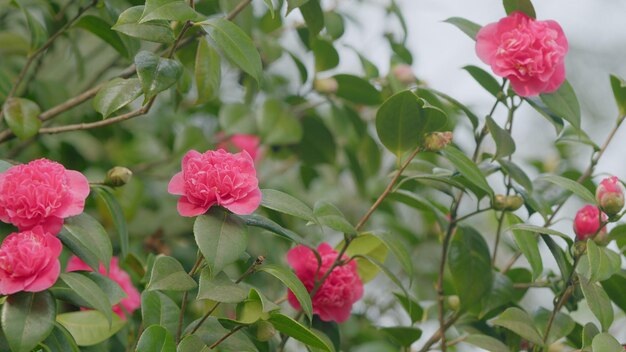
<point>229,334</point>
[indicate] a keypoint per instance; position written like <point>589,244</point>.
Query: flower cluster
<point>590,220</point>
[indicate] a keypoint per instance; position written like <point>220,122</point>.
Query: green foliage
<point>27,318</point>
<point>22,116</point>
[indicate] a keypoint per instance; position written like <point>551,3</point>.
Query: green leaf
<point>517,174</point>
<point>559,255</point>
<point>236,118</point>
<point>86,238</point>
<point>116,94</point>
<point>318,145</point>
<point>369,245</point>
<point>400,251</point>
<point>313,16</point>
<point>208,72</point>
<point>117,214</point>
<point>287,204</point>
<point>505,145</point>
<point>598,301</point>
<point>385,270</point>
<point>543,110</point>
<point>267,224</point>
<point>485,79</point>
<point>528,245</point>
<point>292,328</point>
<point>619,92</point>
<point>168,274</point>
<point>403,336</point>
<point>466,167</point>
<point>156,338</point>
<point>469,254</point>
<point>22,116</point>
<point>603,262</point>
<point>102,29</point>
<point>564,104</point>
<point>294,4</point>
<point>357,90</point>
<point>255,307</point>
<point>236,45</point>
<point>524,6</point>
<point>562,325</point>
<point>220,288</point>
<point>154,31</point>
<point>293,283</point>
<point>519,322</point>
<point>88,292</point>
<point>60,340</point>
<point>589,332</point>
<point>605,343</point>
<point>159,309</point>
<point>111,289</point>
<point>487,343</point>
<point>156,73</point>
<point>571,186</point>
<point>329,215</point>
<point>278,125</point>
<point>222,238</point>
<point>541,230</point>
<point>501,293</point>
<point>38,33</point>
<point>192,343</point>
<point>614,288</point>
<point>211,330</point>
<point>468,27</point>
<point>326,57</point>
<point>27,318</point>
<point>4,166</point>
<point>170,10</point>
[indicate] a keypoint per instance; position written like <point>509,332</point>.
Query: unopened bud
<point>602,239</point>
<point>404,74</point>
<point>499,202</point>
<point>610,196</point>
<point>580,247</point>
<point>264,330</point>
<point>514,202</point>
<point>118,176</point>
<point>436,141</point>
<point>454,302</point>
<point>587,222</point>
<point>326,85</point>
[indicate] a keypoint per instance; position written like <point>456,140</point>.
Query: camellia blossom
<point>610,195</point>
<point>343,287</point>
<point>131,302</point>
<point>29,261</point>
<point>216,178</point>
<point>530,53</point>
<point>239,142</point>
<point>587,222</point>
<point>41,192</point>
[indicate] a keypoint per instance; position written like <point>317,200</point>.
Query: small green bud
<point>264,330</point>
<point>118,176</point>
<point>499,202</point>
<point>325,85</point>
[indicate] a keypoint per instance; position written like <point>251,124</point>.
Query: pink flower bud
<point>610,195</point>
<point>587,222</point>
<point>437,141</point>
<point>404,73</point>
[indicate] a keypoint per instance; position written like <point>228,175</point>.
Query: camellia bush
<point>183,175</point>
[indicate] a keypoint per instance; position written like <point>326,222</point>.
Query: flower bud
<point>264,330</point>
<point>499,202</point>
<point>436,141</point>
<point>513,203</point>
<point>587,222</point>
<point>404,74</point>
<point>118,176</point>
<point>602,239</point>
<point>610,195</point>
<point>326,85</point>
<point>454,302</point>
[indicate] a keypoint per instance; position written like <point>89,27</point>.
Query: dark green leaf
<point>467,168</point>
<point>505,145</point>
<point>400,251</point>
<point>208,72</point>
<point>517,174</point>
<point>619,92</point>
<point>27,319</point>
<point>524,6</point>
<point>357,90</point>
<point>318,145</point>
<point>117,214</point>
<point>329,215</point>
<point>86,238</point>
<point>403,336</point>
<point>541,230</point>
<point>562,324</point>
<point>170,10</point>
<point>156,338</point>
<point>159,309</point>
<point>22,116</point>
<point>603,262</point>
<point>102,29</point>
<point>501,293</point>
<point>237,118</point>
<point>559,255</point>
<point>292,328</point>
<point>38,33</point>
<point>156,73</point>
<point>278,125</point>
<point>168,274</point>
<point>598,302</point>
<point>543,110</point>
<point>293,283</point>
<point>116,94</point>
<point>267,224</point>
<point>294,4</point>
<point>614,288</point>
<point>60,340</point>
<point>89,293</point>
<point>468,27</point>
<point>326,57</point>
<point>520,323</point>
<point>220,288</point>
<point>313,16</point>
<point>411,306</point>
<point>528,245</point>
<point>154,31</point>
<point>564,104</point>
<point>589,332</point>
<point>485,79</point>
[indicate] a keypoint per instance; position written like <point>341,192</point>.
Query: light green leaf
<point>603,262</point>
<point>520,323</point>
<point>528,245</point>
<point>468,27</point>
<point>294,4</point>
<point>102,29</point>
<point>357,90</point>
<point>170,10</point>
<point>159,309</point>
<point>292,328</point>
<point>208,72</point>
<point>505,145</point>
<point>192,343</point>
<point>517,174</point>
<point>278,125</point>
<point>485,79</point>
<point>619,92</point>
<point>287,204</point>
<point>614,288</point>
<point>267,224</point>
<point>168,274</point>
<point>116,94</point>
<point>487,343</point>
<point>293,283</point>
<point>541,230</point>
<point>326,56</point>
<point>564,104</point>
<point>60,340</point>
<point>117,214</point>
<point>22,116</point>
<point>598,302</point>
<point>156,338</point>
<point>605,343</point>
<point>156,73</point>
<point>220,288</point>
<point>466,167</point>
<point>154,31</point>
<point>27,318</point>
<point>404,336</point>
<point>86,238</point>
<point>562,324</point>
<point>38,33</point>
<point>329,215</point>
<point>571,186</point>
<point>412,307</point>
<point>89,293</point>
<point>368,245</point>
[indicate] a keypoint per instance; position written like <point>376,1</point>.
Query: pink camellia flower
<point>41,192</point>
<point>29,261</point>
<point>239,142</point>
<point>587,222</point>
<point>404,73</point>
<point>132,300</point>
<point>530,53</point>
<point>610,195</point>
<point>216,178</point>
<point>343,287</point>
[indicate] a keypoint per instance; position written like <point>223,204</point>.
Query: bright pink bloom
<point>29,261</point>
<point>239,142</point>
<point>530,53</point>
<point>132,300</point>
<point>41,192</point>
<point>343,287</point>
<point>216,178</point>
<point>610,195</point>
<point>587,222</point>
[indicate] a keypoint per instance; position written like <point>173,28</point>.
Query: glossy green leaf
<point>559,255</point>
<point>500,294</point>
<point>267,224</point>
<point>90,294</point>
<point>519,322</point>
<point>220,288</point>
<point>22,116</point>
<point>292,282</point>
<point>466,167</point>
<point>619,92</point>
<point>564,104</point>
<point>102,29</point>
<point>505,145</point>
<point>598,302</point>
<point>412,307</point>
<point>156,338</point>
<point>192,343</point>
<point>211,330</point>
<point>222,238</point>
<point>605,343</point>
<point>571,186</point>
<point>485,79</point>
<point>156,73</point>
<point>313,16</point>
<point>468,27</point>
<point>326,56</point>
<point>329,215</point>
<point>562,324</point>
<point>403,335</point>
<point>524,6</point>
<point>116,94</point>
<point>356,90</point>
<point>208,72</point>
<point>117,214</point>
<point>292,328</point>
<point>369,245</point>
<point>154,31</point>
<point>487,343</point>
<point>528,245</point>
<point>86,238</point>
<point>603,262</point>
<point>158,309</point>
<point>60,340</point>
<point>27,318</point>
<point>278,125</point>
<point>170,10</point>
<point>614,288</point>
<point>236,45</point>
<point>469,254</point>
<point>168,274</point>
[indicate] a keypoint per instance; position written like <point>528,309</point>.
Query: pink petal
<point>556,80</point>
<point>51,225</point>
<point>248,204</point>
<point>76,264</point>
<point>9,286</point>
<point>78,191</point>
<point>177,184</point>
<point>46,278</point>
<point>487,43</point>
<point>186,208</point>
<point>297,257</point>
